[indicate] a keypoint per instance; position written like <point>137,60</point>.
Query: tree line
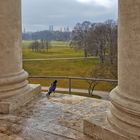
<point>96,39</point>
<point>40,45</point>
<point>47,35</point>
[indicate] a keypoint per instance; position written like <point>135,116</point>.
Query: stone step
<point>9,105</point>
<point>99,128</point>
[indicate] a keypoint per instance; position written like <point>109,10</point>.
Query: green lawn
<point>63,51</point>
<point>60,67</point>
<point>63,68</point>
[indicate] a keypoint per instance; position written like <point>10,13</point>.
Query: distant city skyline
<point>39,15</point>
<point>49,28</point>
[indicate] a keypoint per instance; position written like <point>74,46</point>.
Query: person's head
<point>55,81</point>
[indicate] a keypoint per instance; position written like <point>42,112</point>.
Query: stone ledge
<point>6,137</point>
<point>99,128</point>
<point>9,105</point>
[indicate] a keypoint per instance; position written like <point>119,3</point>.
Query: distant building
<point>51,28</point>
<point>61,29</point>
<point>67,29</point>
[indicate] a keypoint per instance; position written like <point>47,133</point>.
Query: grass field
<point>54,51</point>
<point>77,67</point>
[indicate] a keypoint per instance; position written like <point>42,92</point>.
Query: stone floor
<point>58,118</point>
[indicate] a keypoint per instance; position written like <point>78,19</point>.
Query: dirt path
<point>103,94</point>
<point>72,58</point>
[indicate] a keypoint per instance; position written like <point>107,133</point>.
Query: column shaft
<point>125,108</point>
<point>12,76</point>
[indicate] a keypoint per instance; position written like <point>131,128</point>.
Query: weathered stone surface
<point>10,104</point>
<point>58,118</point>
<point>12,76</point>
<point>125,99</point>
<point>12,137</point>
<point>4,107</point>
<point>98,126</point>
<point>14,88</point>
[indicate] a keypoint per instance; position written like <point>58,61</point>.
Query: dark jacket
<point>53,86</point>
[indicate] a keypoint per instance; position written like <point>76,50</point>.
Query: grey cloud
<point>62,13</point>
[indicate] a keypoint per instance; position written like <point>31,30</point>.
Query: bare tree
<point>102,41</point>
<point>112,40</point>
<point>34,46</point>
<point>47,45</point>
<point>80,36</point>
<point>39,46</point>
<point>97,71</point>
<point>98,40</point>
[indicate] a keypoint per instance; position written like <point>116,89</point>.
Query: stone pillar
<point>125,99</point>
<point>12,76</point>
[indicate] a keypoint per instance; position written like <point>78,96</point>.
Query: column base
<point>12,103</point>
<point>124,114</point>
<point>99,128</point>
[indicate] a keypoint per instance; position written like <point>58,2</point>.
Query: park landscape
<point>63,60</point>
<point>26,113</point>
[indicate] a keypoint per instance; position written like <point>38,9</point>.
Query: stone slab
<point>59,117</point>
<point>15,102</point>
<point>99,128</point>
<point>6,137</point>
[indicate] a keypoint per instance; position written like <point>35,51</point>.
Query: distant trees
<point>96,39</point>
<point>47,35</point>
<point>39,46</point>
<point>80,36</point>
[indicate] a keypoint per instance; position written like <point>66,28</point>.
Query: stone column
<point>12,76</point>
<point>125,99</point>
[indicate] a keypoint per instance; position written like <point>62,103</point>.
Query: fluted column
<point>12,76</point>
<point>125,99</point>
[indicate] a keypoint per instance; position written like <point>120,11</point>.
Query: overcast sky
<point>39,14</point>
